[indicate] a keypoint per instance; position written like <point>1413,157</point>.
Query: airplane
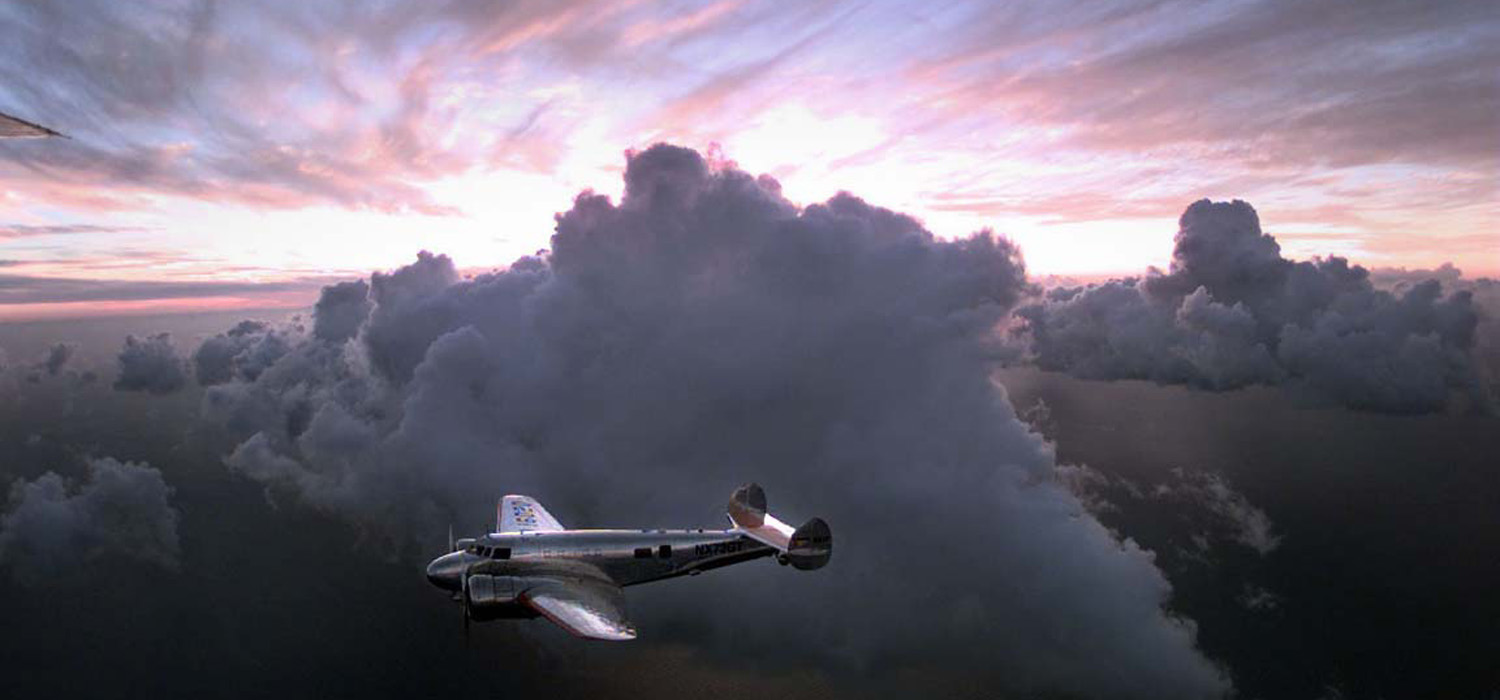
<point>532,566</point>
<point>18,128</point>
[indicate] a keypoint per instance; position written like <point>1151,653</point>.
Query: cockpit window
<point>501,553</point>
<point>643,553</point>
<point>664,551</point>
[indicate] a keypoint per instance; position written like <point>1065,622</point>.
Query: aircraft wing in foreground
<point>17,128</point>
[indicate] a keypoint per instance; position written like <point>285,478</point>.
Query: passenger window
<point>664,551</point>
<point>502,553</point>
<point>643,553</point>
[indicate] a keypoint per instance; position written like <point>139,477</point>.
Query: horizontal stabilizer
<point>806,547</point>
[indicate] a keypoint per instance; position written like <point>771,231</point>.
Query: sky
<point>237,155</point>
<point>435,253</point>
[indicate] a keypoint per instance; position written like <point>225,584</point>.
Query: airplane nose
<point>443,573</point>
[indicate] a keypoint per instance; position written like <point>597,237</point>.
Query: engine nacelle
<point>492,591</point>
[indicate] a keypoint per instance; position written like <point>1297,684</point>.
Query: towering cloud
<point>242,352</point>
<point>51,526</point>
<point>704,332</point>
<point>1232,312</point>
<point>151,364</point>
<point>341,309</point>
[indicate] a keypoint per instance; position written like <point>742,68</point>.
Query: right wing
<point>587,607</point>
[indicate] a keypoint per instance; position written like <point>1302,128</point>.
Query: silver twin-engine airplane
<point>533,566</point>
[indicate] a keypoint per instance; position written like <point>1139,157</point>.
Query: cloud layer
<point>150,364</point>
<point>1232,312</point>
<point>52,527</point>
<point>701,333</point>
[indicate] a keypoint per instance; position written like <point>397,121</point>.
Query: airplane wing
<point>587,607</point>
<point>16,128</point>
<point>524,514</point>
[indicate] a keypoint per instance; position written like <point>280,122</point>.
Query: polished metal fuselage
<point>626,557</point>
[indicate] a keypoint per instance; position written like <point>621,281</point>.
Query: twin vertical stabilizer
<point>807,547</point>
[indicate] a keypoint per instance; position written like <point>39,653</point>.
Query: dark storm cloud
<point>703,332</point>
<point>22,289</point>
<point>52,526</point>
<point>150,364</point>
<point>1233,312</point>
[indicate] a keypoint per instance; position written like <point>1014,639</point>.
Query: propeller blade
<point>463,592</point>
<point>450,537</point>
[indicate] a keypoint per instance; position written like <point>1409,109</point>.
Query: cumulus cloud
<point>57,356</point>
<point>1245,524</point>
<point>702,332</point>
<point>341,310</point>
<point>1401,278</point>
<point>1486,298</point>
<point>1205,500</point>
<point>1232,312</point>
<point>150,364</point>
<point>52,361</point>
<point>241,352</point>
<point>52,526</point>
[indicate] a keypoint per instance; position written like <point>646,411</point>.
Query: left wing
<point>17,128</point>
<point>587,607</point>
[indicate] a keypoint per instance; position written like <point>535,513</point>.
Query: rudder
<point>811,546</point>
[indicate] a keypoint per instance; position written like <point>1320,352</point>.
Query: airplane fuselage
<point>626,557</point>
<point>531,565</point>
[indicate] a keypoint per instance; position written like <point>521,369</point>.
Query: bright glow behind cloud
<point>279,142</point>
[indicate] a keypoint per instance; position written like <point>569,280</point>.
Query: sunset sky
<point>240,154</point>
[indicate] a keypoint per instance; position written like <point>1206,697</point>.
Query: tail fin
<point>747,506</point>
<point>807,547</point>
<point>811,546</point>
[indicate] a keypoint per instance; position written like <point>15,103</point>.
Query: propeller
<point>463,586</point>
<point>463,596</point>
